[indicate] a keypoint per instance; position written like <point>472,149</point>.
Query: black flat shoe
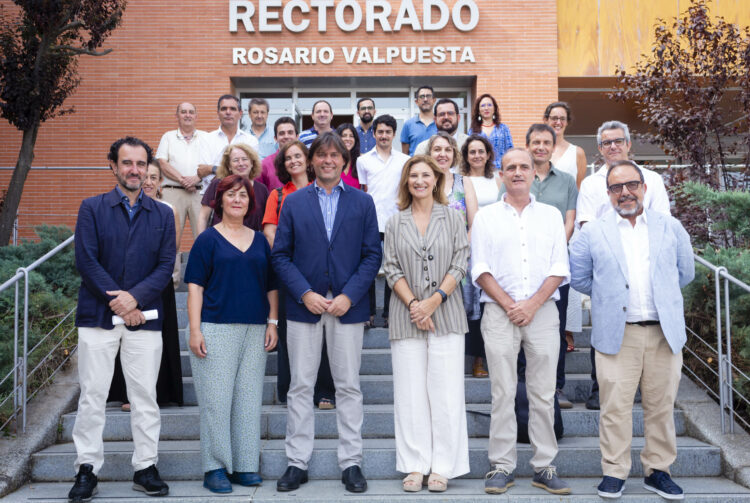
<point>354,480</point>
<point>291,479</point>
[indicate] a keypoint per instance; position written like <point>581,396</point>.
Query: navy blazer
<point>113,253</point>
<point>304,259</point>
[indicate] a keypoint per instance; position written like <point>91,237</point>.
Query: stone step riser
<point>379,390</point>
<point>378,362</point>
<point>378,463</point>
<point>377,424</point>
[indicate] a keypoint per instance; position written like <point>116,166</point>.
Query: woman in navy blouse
<point>485,120</point>
<point>232,310</point>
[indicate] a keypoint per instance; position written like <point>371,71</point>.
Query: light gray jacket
<point>424,261</point>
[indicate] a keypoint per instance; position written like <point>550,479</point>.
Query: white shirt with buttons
<point>519,251</point>
<point>635,245</point>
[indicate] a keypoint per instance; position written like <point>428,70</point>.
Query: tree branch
<point>70,26</point>
<point>80,50</point>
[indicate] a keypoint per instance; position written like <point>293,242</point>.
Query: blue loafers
<point>662,484</point>
<point>245,478</point>
<point>216,481</point>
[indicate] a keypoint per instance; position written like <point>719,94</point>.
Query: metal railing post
<point>25,345</point>
<point>722,391</point>
<point>16,360</point>
<point>15,231</point>
<point>728,356</point>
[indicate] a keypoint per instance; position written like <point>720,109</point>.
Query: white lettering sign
<point>274,16</point>
<point>352,55</point>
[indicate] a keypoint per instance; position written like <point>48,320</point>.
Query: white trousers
<point>140,355</point>
<point>429,405</point>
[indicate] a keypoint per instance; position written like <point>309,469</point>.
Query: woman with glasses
<point>485,121</point>
<point>566,157</point>
<point>238,159</point>
<point>569,159</point>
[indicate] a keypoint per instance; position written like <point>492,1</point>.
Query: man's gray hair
<point>612,125</point>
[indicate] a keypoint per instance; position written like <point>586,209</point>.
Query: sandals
<point>413,482</point>
<point>326,404</point>
<point>125,407</point>
<point>437,483</point>
<point>477,369</point>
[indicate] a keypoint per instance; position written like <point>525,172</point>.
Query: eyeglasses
<point>554,118</point>
<point>366,108</point>
<point>486,105</point>
<point>424,97</point>
<point>608,143</point>
<point>616,188</point>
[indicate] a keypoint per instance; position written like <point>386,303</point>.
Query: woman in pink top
<point>349,136</point>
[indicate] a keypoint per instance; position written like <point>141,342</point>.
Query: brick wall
<point>167,52</point>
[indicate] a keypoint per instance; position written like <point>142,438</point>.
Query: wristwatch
<point>273,322</point>
<point>442,294</point>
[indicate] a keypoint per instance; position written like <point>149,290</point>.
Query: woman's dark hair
<point>279,162</point>
<point>230,182</point>
<point>560,104</point>
<point>489,166</point>
<point>476,119</point>
<point>354,152</point>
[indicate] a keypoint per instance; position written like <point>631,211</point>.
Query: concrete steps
<point>180,460</point>
<point>699,489</point>
<point>182,423</point>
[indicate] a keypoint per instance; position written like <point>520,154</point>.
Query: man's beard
<point>628,213</point>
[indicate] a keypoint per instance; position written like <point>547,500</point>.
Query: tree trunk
<point>15,188</point>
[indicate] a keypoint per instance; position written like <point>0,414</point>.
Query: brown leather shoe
<point>478,369</point>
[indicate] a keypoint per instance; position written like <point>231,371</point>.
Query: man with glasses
<point>421,126</point>
<point>366,112</point>
<point>633,261</point>
<point>446,119</point>
<point>613,138</point>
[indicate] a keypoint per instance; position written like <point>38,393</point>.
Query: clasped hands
<point>317,304</point>
<point>125,306</point>
<point>521,313</point>
<point>421,312</point>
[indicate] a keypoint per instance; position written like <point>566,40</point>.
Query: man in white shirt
<point>613,139</point>
<point>633,262</point>
<point>213,144</point>
<point>178,156</point>
<point>520,258</point>
<point>379,172</point>
<point>446,119</point>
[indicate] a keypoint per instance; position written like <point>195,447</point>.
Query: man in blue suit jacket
<point>125,252</point>
<point>633,263</point>
<point>327,253</point>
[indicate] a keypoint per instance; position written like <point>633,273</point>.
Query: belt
<point>646,323</point>
<point>197,187</point>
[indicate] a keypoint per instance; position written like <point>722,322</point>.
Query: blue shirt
<point>415,131</point>
<point>329,204</point>
<point>266,143</point>
<point>307,136</point>
<point>501,142</point>
<point>234,283</point>
<point>366,139</point>
<point>131,210</point>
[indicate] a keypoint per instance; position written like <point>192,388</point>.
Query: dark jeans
<point>473,342</point>
<point>562,312</point>
<point>324,387</point>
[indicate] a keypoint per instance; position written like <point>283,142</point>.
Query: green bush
<point>53,290</point>
<point>724,212</point>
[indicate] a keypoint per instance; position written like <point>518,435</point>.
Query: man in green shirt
<point>557,189</point>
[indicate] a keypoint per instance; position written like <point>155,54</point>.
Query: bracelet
<point>412,301</point>
<point>273,322</point>
<point>442,294</point>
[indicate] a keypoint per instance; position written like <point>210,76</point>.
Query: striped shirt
<point>329,204</point>
<point>307,136</point>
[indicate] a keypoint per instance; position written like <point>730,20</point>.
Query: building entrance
<point>295,97</point>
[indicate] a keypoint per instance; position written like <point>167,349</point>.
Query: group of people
<point>482,244</point>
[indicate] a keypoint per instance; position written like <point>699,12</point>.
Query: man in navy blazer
<point>125,252</point>
<point>633,262</point>
<point>327,253</point>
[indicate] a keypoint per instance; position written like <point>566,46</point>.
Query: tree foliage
<point>681,91</point>
<point>40,42</point>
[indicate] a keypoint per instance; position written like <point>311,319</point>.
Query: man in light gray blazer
<point>633,263</point>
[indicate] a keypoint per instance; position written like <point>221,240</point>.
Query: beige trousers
<point>541,343</point>
<point>644,359</point>
<point>185,204</point>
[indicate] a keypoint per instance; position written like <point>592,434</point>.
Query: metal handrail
<point>723,348</point>
<point>20,366</point>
